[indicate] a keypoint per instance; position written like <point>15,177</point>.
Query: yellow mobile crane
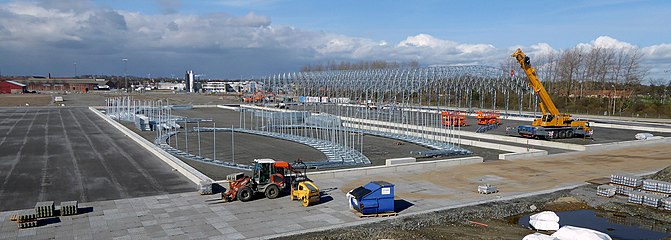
<point>553,124</point>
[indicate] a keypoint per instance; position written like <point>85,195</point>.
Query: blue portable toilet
<point>373,198</point>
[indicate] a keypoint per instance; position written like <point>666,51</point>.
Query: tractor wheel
<point>272,191</point>
<point>569,134</point>
<point>245,194</point>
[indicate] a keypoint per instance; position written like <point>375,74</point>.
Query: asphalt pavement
<point>64,154</point>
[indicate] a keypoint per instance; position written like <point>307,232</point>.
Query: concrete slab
<point>425,189</point>
<point>64,154</point>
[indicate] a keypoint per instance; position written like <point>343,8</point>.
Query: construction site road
<point>601,134</point>
<point>64,154</point>
<point>189,215</point>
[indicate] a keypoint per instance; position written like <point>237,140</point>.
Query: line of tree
<point>361,65</point>
<point>594,79</point>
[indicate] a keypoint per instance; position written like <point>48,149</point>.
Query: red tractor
<point>268,178</point>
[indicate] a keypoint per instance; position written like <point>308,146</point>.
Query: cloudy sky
<point>234,38</point>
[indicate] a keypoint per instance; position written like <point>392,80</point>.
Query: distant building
<point>230,86</point>
<point>12,87</point>
<point>221,86</point>
<point>175,86</point>
<point>61,84</point>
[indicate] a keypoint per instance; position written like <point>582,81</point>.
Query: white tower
<point>189,81</point>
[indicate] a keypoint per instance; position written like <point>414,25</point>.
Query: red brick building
<point>12,87</point>
<point>60,84</point>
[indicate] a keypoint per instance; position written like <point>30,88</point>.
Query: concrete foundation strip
<point>187,171</point>
<point>401,167</point>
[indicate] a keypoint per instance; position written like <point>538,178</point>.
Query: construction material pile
<point>606,190</point>
<point>43,210</point>
<point>648,192</point>
<point>69,208</point>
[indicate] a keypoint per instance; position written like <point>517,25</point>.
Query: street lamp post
<point>614,93</point>
<point>125,71</point>
<point>75,69</point>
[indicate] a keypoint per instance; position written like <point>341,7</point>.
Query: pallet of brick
<point>651,200</point>
<point>666,203</point>
<point>623,190</point>
<point>658,193</point>
<point>69,208</point>
<point>487,189</point>
<point>626,180</point>
<point>205,187</point>
<point>649,185</point>
<point>44,209</point>
<point>26,216</point>
<point>636,197</point>
<point>606,190</point>
<point>28,224</point>
<point>664,187</point>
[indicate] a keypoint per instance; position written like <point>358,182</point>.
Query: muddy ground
<point>500,218</point>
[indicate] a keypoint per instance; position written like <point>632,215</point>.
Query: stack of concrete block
<point>626,180</point>
<point>657,186</point>
<point>487,189</point>
<point>666,203</point>
<point>205,187</point>
<point>26,219</point>
<point>636,197</point>
<point>651,200</point>
<point>606,190</point>
<point>623,190</point>
<point>664,187</point>
<point>649,185</point>
<point>69,208</point>
<point>44,209</point>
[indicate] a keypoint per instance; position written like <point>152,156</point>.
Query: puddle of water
<point>616,225</point>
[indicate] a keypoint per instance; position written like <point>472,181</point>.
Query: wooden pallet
<point>388,214</point>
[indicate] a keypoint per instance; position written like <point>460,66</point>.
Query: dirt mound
<point>663,175</point>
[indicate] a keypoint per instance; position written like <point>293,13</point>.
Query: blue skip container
<point>373,198</point>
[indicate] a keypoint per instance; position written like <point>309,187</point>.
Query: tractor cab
<point>263,169</point>
<point>269,171</point>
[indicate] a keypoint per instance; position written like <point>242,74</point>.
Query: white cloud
<point>658,52</point>
<point>542,49</point>
<point>82,30</point>
<point>607,42</point>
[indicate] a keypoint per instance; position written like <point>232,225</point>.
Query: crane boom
<point>546,101</point>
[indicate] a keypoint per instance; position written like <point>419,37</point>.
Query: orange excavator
<point>488,118</point>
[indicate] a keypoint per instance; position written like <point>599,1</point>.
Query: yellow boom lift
<point>553,124</point>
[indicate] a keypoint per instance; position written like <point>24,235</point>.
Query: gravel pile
<point>663,175</point>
